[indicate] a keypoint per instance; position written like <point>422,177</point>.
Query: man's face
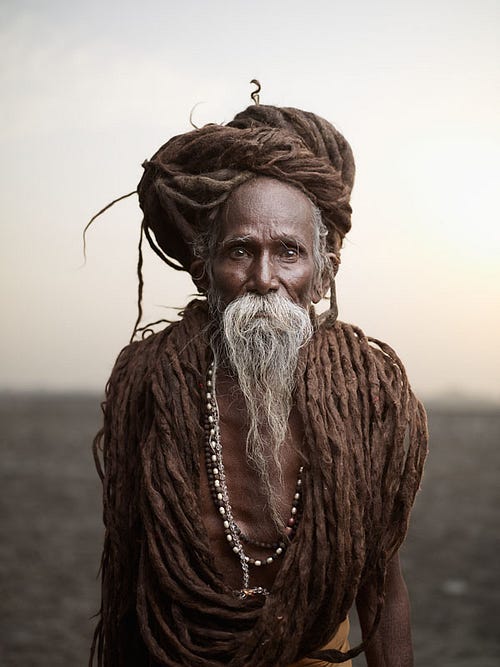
<point>265,244</point>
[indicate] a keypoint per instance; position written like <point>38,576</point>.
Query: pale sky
<point>90,89</point>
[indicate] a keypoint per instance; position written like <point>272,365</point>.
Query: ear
<point>199,274</point>
<point>318,291</point>
<point>322,285</point>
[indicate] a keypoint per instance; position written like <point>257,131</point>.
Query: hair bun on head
<point>194,173</point>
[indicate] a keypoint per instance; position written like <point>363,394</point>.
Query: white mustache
<point>262,336</point>
<point>283,312</point>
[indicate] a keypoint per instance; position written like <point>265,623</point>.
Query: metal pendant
<point>252,592</point>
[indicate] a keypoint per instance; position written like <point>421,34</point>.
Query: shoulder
<point>377,349</point>
<point>363,352</point>
<point>367,370</point>
<point>138,359</point>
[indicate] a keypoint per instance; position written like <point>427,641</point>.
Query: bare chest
<point>247,496</point>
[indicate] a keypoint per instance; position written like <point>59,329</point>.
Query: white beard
<point>261,339</point>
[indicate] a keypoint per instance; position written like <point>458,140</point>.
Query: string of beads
<point>218,488</point>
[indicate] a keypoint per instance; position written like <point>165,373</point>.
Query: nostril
<point>266,281</point>
<point>264,286</point>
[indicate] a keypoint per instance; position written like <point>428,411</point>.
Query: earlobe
<point>323,283</point>
<point>199,276</point>
<point>335,262</point>
<point>317,292</point>
<point>320,288</point>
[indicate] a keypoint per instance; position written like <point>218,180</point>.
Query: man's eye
<point>290,253</point>
<point>238,252</point>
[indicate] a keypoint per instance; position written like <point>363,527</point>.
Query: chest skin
<point>246,495</point>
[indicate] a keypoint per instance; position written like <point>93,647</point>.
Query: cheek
<point>227,283</point>
<point>303,284</point>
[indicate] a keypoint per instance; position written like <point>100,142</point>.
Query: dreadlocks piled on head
<point>259,463</point>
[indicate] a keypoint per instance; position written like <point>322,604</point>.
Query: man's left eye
<point>289,253</point>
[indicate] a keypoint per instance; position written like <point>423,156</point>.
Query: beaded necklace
<point>218,487</point>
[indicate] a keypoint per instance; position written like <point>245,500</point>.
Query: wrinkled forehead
<point>267,204</point>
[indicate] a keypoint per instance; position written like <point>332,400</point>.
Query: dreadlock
<point>163,600</point>
<point>191,176</point>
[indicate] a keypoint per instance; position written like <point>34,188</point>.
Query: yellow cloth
<point>340,642</point>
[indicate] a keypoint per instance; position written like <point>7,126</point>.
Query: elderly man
<point>259,462</point>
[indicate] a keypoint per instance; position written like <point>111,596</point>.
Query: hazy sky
<point>90,89</point>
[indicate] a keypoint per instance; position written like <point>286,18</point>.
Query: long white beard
<point>261,339</point>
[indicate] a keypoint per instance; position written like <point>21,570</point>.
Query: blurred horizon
<point>448,401</point>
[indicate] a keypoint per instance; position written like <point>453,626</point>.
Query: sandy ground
<point>51,534</point>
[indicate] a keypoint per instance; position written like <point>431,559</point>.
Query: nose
<point>263,278</point>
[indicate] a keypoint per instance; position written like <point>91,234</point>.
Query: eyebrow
<point>232,240</point>
<point>285,239</point>
<point>290,241</point>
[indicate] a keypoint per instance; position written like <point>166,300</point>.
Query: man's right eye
<point>237,252</point>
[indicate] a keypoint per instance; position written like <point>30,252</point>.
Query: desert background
<point>91,89</point>
<point>51,535</point>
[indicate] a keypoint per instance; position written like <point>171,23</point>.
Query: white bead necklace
<point>220,495</point>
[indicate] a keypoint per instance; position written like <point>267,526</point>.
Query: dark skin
<point>266,245</point>
<point>247,498</point>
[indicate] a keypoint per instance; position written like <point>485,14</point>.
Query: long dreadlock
<point>196,172</point>
<point>163,601</point>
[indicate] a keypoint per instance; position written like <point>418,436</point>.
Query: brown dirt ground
<point>50,536</point>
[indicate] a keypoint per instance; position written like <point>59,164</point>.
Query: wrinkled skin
<point>266,245</point>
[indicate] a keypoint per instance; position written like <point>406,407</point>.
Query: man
<point>259,462</point>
